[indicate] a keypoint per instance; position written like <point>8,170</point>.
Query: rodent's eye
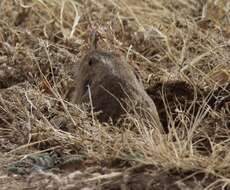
<point>93,60</point>
<point>90,62</point>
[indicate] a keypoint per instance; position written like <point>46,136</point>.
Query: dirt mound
<point>172,96</point>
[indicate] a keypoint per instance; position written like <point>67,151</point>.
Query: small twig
<point>91,103</point>
<point>106,176</point>
<point>94,39</point>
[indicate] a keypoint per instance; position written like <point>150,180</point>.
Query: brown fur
<point>113,85</point>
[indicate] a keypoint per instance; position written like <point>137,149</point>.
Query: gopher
<point>109,83</point>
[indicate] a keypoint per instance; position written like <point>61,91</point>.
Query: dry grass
<point>42,40</point>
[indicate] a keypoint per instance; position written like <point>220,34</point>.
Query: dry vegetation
<point>42,40</point>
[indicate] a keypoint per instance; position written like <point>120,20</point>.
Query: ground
<point>181,51</point>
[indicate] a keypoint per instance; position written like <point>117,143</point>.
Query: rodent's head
<point>96,66</point>
<point>98,63</point>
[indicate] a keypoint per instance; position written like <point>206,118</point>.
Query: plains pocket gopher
<point>110,83</point>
